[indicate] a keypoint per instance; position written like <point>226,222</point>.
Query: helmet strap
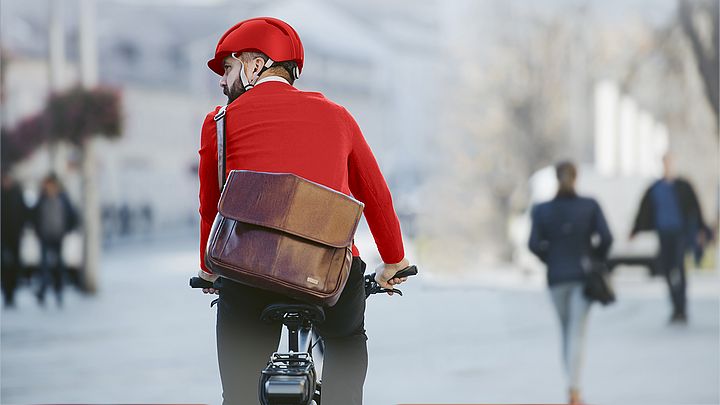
<point>247,84</point>
<point>250,83</point>
<point>262,70</point>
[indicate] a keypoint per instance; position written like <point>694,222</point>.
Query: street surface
<point>488,338</point>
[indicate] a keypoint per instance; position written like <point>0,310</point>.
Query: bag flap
<point>291,204</point>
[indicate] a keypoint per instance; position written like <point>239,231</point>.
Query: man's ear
<point>259,63</point>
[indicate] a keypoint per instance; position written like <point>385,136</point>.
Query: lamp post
<point>91,208</point>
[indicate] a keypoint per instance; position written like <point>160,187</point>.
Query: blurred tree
<point>656,66</point>
<point>509,112</point>
<point>699,20</point>
<point>521,98</point>
<point>76,115</point>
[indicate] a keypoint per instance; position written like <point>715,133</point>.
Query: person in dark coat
<point>14,216</point>
<point>561,236</point>
<point>54,217</point>
<point>671,208</point>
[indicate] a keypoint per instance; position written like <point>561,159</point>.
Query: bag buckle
<point>220,114</point>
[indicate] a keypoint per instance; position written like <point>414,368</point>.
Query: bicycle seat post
<point>298,319</point>
<point>293,322</point>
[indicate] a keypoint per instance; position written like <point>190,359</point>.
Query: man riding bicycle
<point>277,128</point>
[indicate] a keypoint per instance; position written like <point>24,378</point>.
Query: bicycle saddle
<point>278,312</point>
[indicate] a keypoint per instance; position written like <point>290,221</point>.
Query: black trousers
<point>245,343</point>
<point>672,262</point>
<point>10,272</point>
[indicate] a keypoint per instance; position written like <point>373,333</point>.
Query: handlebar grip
<point>197,282</point>
<point>407,272</point>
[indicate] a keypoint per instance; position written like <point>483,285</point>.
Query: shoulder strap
<point>220,126</point>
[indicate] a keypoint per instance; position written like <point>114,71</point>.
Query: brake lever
<point>372,287</point>
<point>375,289</point>
<point>394,291</point>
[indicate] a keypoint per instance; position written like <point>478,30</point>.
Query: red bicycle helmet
<point>271,36</point>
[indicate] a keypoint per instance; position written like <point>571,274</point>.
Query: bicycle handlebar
<point>197,282</point>
<point>371,286</point>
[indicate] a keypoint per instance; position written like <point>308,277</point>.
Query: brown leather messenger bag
<point>281,232</point>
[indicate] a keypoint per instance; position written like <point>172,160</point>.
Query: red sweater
<point>277,128</point>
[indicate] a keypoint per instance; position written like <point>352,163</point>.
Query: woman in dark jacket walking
<point>561,236</point>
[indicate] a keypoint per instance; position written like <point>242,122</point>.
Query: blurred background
<point>466,104</point>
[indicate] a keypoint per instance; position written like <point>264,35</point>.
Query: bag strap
<point>220,126</point>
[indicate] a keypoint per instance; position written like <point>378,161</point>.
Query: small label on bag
<point>312,281</point>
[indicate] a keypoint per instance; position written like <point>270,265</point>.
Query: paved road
<point>491,338</point>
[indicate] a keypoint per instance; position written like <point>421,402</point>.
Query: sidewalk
<point>148,338</point>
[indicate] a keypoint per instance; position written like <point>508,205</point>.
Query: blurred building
<point>462,101</point>
<point>374,64</point>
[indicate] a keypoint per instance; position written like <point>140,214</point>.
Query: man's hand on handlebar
<point>210,278</point>
<point>385,272</point>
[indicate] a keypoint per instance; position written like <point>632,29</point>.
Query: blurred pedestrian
<point>14,216</point>
<point>125,219</point>
<point>54,217</point>
<point>561,236</point>
<point>670,207</point>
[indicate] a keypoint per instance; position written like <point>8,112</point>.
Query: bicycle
<point>291,378</point>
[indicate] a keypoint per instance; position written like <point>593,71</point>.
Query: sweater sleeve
<point>537,243</point>
<point>693,202</point>
<point>209,188</point>
<point>368,185</point>
<point>602,229</point>
<point>644,218</point>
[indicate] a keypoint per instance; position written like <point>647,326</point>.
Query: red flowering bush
<point>19,142</point>
<point>72,115</point>
<point>78,113</point>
